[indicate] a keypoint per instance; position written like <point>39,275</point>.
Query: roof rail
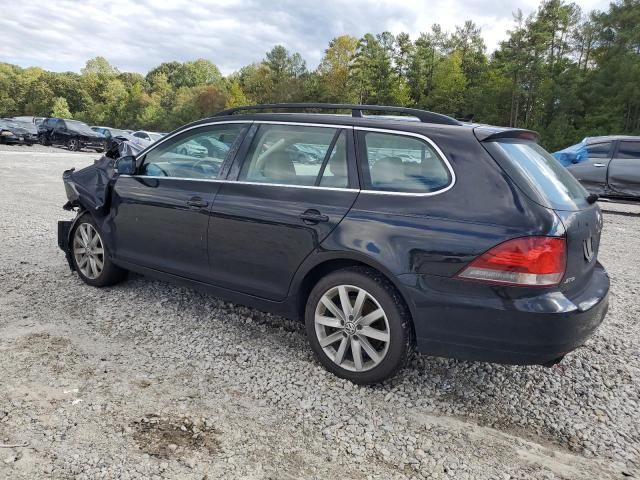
<point>356,110</point>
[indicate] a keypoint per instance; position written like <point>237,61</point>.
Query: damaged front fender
<point>89,189</point>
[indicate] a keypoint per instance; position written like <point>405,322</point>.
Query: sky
<point>135,36</point>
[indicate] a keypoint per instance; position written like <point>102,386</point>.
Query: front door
<point>294,185</point>
<point>624,170</point>
<point>160,215</point>
<point>592,172</point>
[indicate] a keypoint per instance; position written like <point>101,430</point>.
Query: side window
<point>400,163</point>
<point>629,150</point>
<point>195,154</point>
<point>297,155</point>
<point>60,125</point>
<point>599,150</point>
<point>139,135</point>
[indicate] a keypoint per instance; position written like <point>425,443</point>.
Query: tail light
<point>526,261</point>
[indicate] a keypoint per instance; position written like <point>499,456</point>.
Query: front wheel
<point>73,144</point>
<point>358,325</point>
<point>91,257</point>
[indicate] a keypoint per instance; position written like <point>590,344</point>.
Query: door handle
<point>312,216</point>
<point>599,165</point>
<point>197,202</point>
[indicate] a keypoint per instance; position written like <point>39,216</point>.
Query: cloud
<point>136,36</point>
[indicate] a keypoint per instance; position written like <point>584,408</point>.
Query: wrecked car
<point>454,239</point>
<point>607,166</point>
<point>73,134</point>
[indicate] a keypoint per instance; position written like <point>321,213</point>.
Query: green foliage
<point>561,71</point>
<point>60,108</point>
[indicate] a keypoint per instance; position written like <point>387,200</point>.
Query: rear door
<point>293,184</point>
<point>160,215</point>
<point>624,169</point>
<point>592,173</point>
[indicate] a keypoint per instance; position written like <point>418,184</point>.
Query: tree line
<point>561,71</point>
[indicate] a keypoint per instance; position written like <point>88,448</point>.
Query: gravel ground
<point>150,380</point>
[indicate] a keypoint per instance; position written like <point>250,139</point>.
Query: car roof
<point>609,138</point>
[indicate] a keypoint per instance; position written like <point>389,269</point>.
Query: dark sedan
<point>608,166</point>
<point>16,132</point>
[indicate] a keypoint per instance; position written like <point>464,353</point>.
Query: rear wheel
<point>91,257</point>
<point>358,325</point>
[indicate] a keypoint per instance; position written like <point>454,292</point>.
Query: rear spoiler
<point>488,134</point>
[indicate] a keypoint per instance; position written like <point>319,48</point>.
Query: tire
<point>44,141</point>
<point>88,270</point>
<point>383,314</point>
<point>73,144</point>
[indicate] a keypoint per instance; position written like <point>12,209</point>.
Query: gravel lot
<point>146,379</point>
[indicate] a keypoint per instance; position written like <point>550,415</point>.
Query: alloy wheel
<point>352,328</point>
<point>88,251</point>
<point>73,145</point>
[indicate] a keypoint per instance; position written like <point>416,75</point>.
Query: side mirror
<point>126,165</point>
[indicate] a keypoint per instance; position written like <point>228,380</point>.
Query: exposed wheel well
<point>316,273</point>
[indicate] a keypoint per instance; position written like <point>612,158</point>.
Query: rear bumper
<point>503,325</point>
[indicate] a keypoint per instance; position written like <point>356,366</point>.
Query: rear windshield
<point>554,185</point>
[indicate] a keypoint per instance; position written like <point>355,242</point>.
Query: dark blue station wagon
<point>385,233</point>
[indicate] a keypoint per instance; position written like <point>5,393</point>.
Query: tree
<point>60,108</point>
<point>334,69</point>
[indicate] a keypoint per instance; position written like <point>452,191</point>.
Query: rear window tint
<point>401,163</point>
<point>554,184</point>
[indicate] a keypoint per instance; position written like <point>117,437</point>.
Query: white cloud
<point>136,36</point>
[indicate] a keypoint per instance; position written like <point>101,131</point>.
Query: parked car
<point>72,134</point>
<point>468,241</point>
<point>12,131</point>
<point>150,136</point>
<point>110,133</point>
<point>607,166</point>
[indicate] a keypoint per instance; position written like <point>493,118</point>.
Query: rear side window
<point>297,155</point>
<point>629,150</point>
<point>401,163</point>
<point>543,173</point>
<point>599,150</point>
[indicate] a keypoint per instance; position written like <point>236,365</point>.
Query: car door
<point>59,135</point>
<point>592,172</point>
<point>160,215</point>
<point>624,169</point>
<point>278,205</point>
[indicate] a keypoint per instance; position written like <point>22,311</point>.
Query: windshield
<point>544,174</point>
<point>79,126</point>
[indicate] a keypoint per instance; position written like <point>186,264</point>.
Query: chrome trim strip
<point>269,122</point>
